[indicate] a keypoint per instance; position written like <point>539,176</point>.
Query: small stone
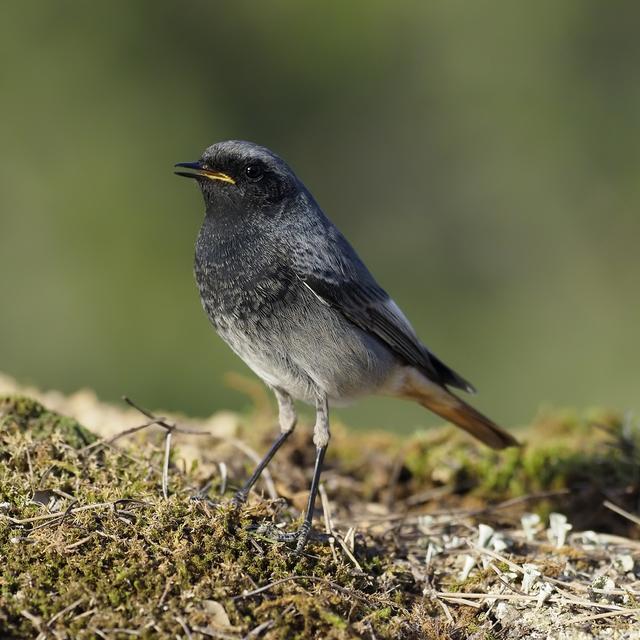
<point>604,583</point>
<point>216,613</point>
<point>624,563</point>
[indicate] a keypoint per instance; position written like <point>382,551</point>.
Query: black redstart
<point>291,297</point>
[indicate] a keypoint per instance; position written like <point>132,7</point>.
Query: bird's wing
<point>340,279</point>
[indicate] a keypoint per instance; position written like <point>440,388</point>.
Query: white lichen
<point>485,536</point>
<point>485,533</point>
<point>469,563</point>
<point>530,576</point>
<point>530,525</point>
<point>546,589</point>
<point>433,550</point>
<point>558,529</point>
<point>498,542</point>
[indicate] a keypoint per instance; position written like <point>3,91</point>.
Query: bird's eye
<point>254,172</point>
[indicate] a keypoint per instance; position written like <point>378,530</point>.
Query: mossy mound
<point>89,547</point>
<point>118,558</point>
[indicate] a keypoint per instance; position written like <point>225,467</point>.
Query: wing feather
<point>337,276</point>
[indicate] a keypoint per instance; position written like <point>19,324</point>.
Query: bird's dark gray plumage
<point>291,297</point>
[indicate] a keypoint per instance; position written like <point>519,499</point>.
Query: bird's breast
<point>242,279</point>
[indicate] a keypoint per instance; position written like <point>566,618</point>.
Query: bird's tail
<point>448,406</point>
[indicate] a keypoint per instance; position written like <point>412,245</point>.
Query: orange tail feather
<point>448,406</point>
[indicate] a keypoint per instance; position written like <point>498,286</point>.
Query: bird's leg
<point>321,437</point>
<point>287,418</point>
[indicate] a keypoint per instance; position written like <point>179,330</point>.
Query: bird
<point>288,293</point>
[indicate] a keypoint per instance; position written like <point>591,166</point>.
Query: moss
<point>118,556</point>
<point>144,562</point>
<point>31,416</point>
<point>561,452</point>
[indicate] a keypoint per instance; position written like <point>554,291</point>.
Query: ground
<point>429,536</point>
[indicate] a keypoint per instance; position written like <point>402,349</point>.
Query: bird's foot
<point>300,537</point>
<point>239,499</point>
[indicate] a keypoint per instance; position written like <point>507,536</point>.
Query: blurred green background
<point>483,158</point>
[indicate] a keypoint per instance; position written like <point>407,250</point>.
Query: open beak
<point>200,171</point>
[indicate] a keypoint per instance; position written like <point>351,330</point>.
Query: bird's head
<point>242,176</point>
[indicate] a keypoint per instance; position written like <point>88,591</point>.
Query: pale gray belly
<point>308,349</point>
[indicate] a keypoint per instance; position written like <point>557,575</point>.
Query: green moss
<point>560,453</point>
<point>29,415</point>
<point>130,560</point>
<point>145,563</point>
<point>333,619</point>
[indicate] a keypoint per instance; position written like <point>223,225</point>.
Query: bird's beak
<point>200,171</point>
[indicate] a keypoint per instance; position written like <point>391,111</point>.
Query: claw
<point>281,536</point>
<point>303,534</point>
<point>238,499</point>
<point>300,537</point>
